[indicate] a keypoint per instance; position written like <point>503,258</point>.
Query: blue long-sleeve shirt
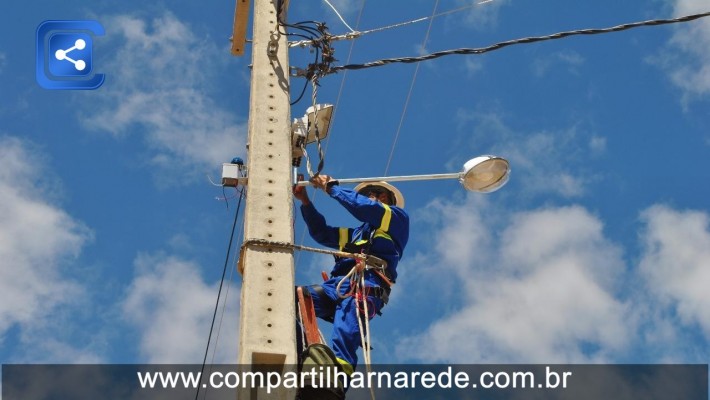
<point>389,223</point>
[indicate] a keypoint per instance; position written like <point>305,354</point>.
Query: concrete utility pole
<point>267,323</point>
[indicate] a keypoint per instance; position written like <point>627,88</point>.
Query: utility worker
<point>384,233</point>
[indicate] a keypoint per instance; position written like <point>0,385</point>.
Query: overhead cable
<point>411,89</point>
<point>339,16</point>
<point>316,130</point>
<point>354,34</point>
<point>431,17</point>
<point>335,110</point>
<point>532,39</point>
<point>219,292</point>
<point>313,31</point>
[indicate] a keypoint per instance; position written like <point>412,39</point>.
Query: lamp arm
<point>454,175</point>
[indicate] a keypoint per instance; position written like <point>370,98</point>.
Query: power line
<point>342,82</point>
<point>335,112</point>
<point>532,39</point>
<point>339,16</point>
<point>313,31</point>
<point>226,295</point>
<point>354,34</point>
<point>219,292</point>
<point>411,89</point>
<point>431,17</point>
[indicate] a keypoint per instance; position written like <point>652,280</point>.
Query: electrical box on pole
<point>267,337</point>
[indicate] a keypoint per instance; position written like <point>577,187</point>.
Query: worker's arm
<point>319,230</point>
<point>377,214</point>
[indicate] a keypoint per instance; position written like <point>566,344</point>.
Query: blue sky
<point>112,238</point>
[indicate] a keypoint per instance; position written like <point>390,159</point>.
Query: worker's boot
<point>328,381</point>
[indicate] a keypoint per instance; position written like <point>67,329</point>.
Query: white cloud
<point>158,84</point>
<point>686,58</point>
<point>571,60</point>
<point>597,144</point>
<point>37,240</point>
<point>3,61</point>
<point>482,14</point>
<point>676,263</point>
<point>472,66</point>
<point>549,161</point>
<point>546,285</point>
<point>172,307</point>
<point>346,8</point>
<point>543,291</point>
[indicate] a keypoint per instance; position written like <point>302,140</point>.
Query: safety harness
<point>372,264</point>
<point>364,262</point>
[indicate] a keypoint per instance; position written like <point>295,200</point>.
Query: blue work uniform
<point>387,229</point>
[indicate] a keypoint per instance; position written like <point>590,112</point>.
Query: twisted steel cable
<point>532,39</point>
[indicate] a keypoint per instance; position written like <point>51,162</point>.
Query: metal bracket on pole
<point>273,46</point>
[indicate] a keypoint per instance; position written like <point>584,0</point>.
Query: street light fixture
<point>483,174</point>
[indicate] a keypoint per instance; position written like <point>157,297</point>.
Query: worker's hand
<point>300,192</point>
<point>322,181</point>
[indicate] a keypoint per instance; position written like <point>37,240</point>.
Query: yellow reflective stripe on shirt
<point>385,224</point>
<point>347,367</point>
<point>382,234</point>
<point>342,237</point>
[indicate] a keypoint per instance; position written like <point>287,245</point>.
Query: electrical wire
<point>354,34</point>
<point>305,84</point>
<point>342,82</point>
<point>318,39</point>
<point>335,113</point>
<point>209,178</point>
<point>532,39</point>
<point>219,292</point>
<point>411,89</point>
<point>321,154</point>
<point>226,296</point>
<point>339,16</point>
<point>414,21</point>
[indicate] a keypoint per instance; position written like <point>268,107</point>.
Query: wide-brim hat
<point>398,197</point>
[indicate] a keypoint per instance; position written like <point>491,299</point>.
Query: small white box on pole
<point>230,174</point>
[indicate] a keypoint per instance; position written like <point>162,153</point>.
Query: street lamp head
<point>485,174</point>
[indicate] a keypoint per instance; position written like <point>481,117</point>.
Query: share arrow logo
<point>65,55</point>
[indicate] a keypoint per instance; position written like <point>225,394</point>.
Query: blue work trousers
<point>345,339</point>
